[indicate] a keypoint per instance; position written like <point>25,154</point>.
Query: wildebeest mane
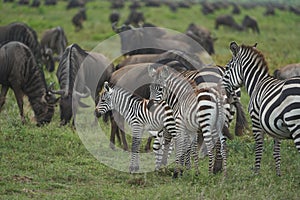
<point>68,67</point>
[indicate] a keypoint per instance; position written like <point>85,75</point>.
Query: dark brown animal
<point>250,22</point>
<point>75,4</point>
<point>114,17</point>
<point>23,33</point>
<point>235,10</point>
<point>144,40</point>
<point>202,36</point>
<point>288,71</point>
<point>227,20</point>
<point>270,10</point>
<point>135,18</point>
<point>56,40</point>
<point>78,19</point>
<point>35,3</point>
<point>20,72</point>
<point>80,74</point>
<point>23,2</point>
<point>50,2</point>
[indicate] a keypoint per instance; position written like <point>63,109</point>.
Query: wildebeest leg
<point>19,97</point>
<point>114,129</point>
<point>4,90</point>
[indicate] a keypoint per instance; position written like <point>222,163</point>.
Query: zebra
<point>274,104</point>
<point>211,77</point>
<point>194,110</point>
<point>141,114</point>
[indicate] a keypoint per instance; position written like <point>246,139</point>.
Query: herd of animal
<point>183,103</point>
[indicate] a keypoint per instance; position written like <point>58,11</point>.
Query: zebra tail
<point>241,120</point>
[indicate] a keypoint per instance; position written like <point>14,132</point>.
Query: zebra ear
<point>165,72</point>
<point>151,70</point>
<point>255,45</point>
<point>234,47</point>
<point>106,87</point>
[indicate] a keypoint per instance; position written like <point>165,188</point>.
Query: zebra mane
<point>258,53</point>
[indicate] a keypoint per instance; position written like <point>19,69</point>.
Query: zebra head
<point>233,77</point>
<point>105,100</point>
<point>158,87</point>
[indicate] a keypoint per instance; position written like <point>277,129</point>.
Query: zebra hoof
<point>133,168</point>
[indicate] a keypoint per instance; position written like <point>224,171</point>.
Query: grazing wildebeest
<point>250,22</point>
<point>135,18</point>
<point>207,8</point>
<point>23,2</point>
<point>114,17</point>
<point>76,75</point>
<point>56,40</point>
<point>116,4</point>
<point>235,9</point>
<point>202,36</point>
<point>270,10</point>
<point>50,2</point>
<point>288,71</point>
<point>75,4</point>
<point>35,3</point>
<point>23,33</point>
<point>78,19</point>
<point>20,71</point>
<point>227,20</point>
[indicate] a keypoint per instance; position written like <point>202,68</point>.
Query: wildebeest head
<point>47,56</point>
<point>46,110</point>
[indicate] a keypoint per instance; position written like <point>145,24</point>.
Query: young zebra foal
<point>141,114</point>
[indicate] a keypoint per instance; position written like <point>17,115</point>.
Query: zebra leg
<point>259,143</point>
<point>276,155</point>
<point>180,151</point>
<point>4,90</point>
<point>224,155</point>
<point>218,158</point>
<point>195,154</point>
<point>136,141</point>
<point>157,144</point>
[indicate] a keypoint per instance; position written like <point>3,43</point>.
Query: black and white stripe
<point>274,104</point>
<point>195,110</point>
<point>141,114</point>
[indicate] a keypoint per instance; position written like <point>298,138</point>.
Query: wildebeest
<point>76,74</point>
<point>114,17</point>
<point>235,9</point>
<point>50,2</point>
<point>78,19</point>
<point>227,20</point>
<point>75,4</point>
<point>288,71</point>
<point>35,3</point>
<point>150,39</point>
<point>135,18</point>
<point>250,22</point>
<point>56,40</point>
<point>202,36</point>
<point>23,33</point>
<point>23,2</point>
<point>270,10</point>
<point>20,71</point>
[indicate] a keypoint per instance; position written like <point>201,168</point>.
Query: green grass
<point>51,162</point>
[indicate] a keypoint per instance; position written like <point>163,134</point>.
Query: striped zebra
<point>211,77</point>
<point>195,110</point>
<point>274,104</point>
<point>141,114</point>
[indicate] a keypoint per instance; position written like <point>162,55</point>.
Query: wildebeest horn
<point>83,95</point>
<point>60,92</point>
